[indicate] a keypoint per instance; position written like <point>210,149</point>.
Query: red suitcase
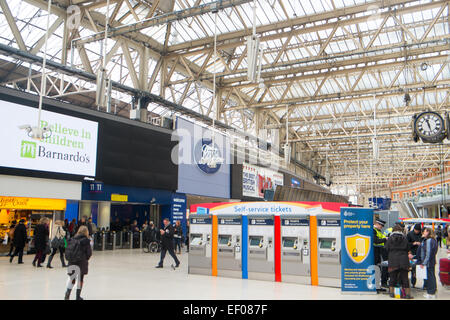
<point>444,271</point>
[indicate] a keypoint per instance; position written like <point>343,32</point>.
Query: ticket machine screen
<point>326,243</point>
<point>224,240</point>
<point>288,243</point>
<point>196,239</point>
<point>255,241</point>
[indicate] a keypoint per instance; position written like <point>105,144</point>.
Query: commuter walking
<point>92,225</point>
<point>20,240</point>
<point>428,260</point>
<point>414,238</point>
<point>379,252</point>
<point>178,235</point>
<point>439,236</point>
<point>398,261</point>
<point>41,234</point>
<point>72,227</point>
<point>11,237</point>
<point>58,244</point>
<point>167,243</point>
<point>84,222</point>
<point>78,253</point>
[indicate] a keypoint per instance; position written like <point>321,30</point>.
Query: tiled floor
<point>131,274</point>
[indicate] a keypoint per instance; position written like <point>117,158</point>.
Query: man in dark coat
<point>379,252</point>
<point>167,243</point>
<point>41,234</point>
<point>414,238</point>
<point>20,240</point>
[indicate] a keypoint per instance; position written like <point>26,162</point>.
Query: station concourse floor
<point>126,274</point>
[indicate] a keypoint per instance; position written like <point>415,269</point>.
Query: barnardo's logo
<point>31,150</point>
<point>28,149</point>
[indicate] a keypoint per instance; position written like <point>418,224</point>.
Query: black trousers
<point>61,255</point>
<point>11,248</point>
<point>18,252</point>
<point>163,255</point>
<point>399,276</point>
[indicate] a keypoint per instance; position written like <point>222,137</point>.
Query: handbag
<point>58,242</point>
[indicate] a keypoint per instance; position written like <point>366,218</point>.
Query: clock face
<point>429,125</point>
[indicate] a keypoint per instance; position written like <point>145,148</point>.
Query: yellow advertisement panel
<point>119,197</point>
<point>22,203</point>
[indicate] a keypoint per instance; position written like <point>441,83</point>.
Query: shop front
<point>13,209</point>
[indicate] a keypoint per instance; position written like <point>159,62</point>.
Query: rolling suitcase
<point>444,271</point>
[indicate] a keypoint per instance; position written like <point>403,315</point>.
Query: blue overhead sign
<point>358,270</point>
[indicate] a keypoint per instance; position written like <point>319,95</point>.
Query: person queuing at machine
<point>380,252</point>
<point>178,235</point>
<point>428,253</point>
<point>187,236</point>
<point>167,243</point>
<point>398,260</point>
<point>414,238</point>
<point>20,240</point>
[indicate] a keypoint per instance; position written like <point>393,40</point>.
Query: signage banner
<point>32,203</point>
<point>295,222</point>
<point>260,222</point>
<point>198,220</point>
<point>257,179</point>
<point>178,207</point>
<point>119,197</point>
<point>295,183</point>
<point>70,148</point>
<point>230,221</point>
<point>358,270</point>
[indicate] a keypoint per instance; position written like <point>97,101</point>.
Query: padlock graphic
<point>355,253</point>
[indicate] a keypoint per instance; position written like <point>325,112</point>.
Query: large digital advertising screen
<point>70,147</point>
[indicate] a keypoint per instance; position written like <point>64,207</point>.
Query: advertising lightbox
<point>71,147</point>
<point>255,180</point>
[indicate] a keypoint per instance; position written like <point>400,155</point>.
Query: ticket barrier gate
<point>137,240</point>
<point>295,249</point>
<point>118,240</point>
<point>200,247</point>
<point>229,263</point>
<point>261,264</point>
<point>110,242</point>
<point>127,240</point>
<point>329,250</point>
<point>99,241</point>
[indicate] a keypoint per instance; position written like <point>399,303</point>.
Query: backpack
<point>74,252</point>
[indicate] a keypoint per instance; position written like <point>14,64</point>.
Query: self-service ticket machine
<point>295,249</point>
<point>200,244</point>
<point>329,250</point>
<point>261,265</point>
<point>229,253</point>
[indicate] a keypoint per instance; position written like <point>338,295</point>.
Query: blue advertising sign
<point>295,183</point>
<point>358,270</point>
<point>201,210</point>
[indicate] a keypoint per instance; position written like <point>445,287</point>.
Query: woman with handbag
<point>40,241</point>
<point>58,243</point>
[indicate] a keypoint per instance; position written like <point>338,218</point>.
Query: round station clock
<point>430,127</point>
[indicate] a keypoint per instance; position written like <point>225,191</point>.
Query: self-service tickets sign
<point>357,257</point>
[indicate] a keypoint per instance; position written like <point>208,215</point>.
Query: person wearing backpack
<point>58,243</point>
<point>78,253</point>
<point>428,259</point>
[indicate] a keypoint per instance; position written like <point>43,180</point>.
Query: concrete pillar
<point>104,214</point>
<point>85,209</point>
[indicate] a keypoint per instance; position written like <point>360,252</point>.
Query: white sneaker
<point>429,296</point>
